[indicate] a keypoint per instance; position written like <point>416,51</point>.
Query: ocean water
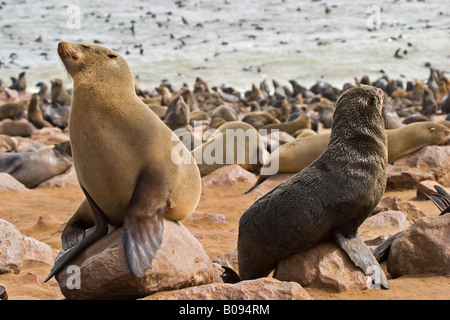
<point>231,42</point>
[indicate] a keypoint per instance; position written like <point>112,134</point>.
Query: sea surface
<point>231,42</point>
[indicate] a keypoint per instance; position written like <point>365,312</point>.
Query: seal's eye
<point>86,47</point>
<point>112,56</point>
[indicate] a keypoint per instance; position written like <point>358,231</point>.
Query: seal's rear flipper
<point>99,230</point>
<point>230,276</point>
<point>364,259</point>
<point>441,199</point>
<point>143,228</point>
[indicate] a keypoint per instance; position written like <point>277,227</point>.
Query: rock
<point>208,218</point>
<point>229,259</point>
<point>423,248</point>
<point>49,136</point>
<point>258,289</point>
<point>12,249</point>
<point>37,251</point>
<point>409,208</point>
<point>229,174</point>
<point>269,184</point>
<point>104,273</point>
<point>16,248</point>
<point>325,266</point>
<point>8,182</point>
<point>426,187</point>
<point>386,219</point>
<point>406,177</point>
<point>428,163</point>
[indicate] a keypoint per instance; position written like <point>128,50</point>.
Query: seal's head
<point>360,107</point>
<point>91,63</point>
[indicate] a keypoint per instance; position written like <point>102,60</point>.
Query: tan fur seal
<point>296,155</point>
<point>259,119</point>
<point>327,200</point>
<point>8,143</point>
<point>59,94</point>
<point>247,145</point>
<point>414,136</point>
<point>122,154</point>
<point>35,113</point>
<point>13,110</point>
<point>20,128</point>
<point>303,121</point>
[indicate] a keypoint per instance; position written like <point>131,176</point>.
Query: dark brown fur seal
<point>327,200</point>
<point>122,154</point>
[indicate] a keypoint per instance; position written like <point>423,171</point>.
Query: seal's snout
<point>66,50</point>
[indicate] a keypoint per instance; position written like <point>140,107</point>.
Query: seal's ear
<point>432,129</point>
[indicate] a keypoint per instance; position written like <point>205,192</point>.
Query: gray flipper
<point>99,230</point>
<point>143,227</point>
<point>364,259</point>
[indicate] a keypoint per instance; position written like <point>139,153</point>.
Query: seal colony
<point>124,165</point>
<point>116,124</point>
<point>328,200</point>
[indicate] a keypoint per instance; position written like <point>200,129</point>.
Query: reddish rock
<point>423,248</point>
<point>102,272</point>
<point>258,289</point>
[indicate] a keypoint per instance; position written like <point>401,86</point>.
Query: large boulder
<point>428,163</point>
<point>16,248</point>
<point>102,272</point>
<point>423,248</point>
<point>325,266</point>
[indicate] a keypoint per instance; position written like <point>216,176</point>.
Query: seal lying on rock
<point>122,154</point>
<point>327,200</point>
<point>33,168</point>
<point>294,156</point>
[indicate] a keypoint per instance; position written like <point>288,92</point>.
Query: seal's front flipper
<point>364,259</point>
<point>96,232</point>
<point>143,227</point>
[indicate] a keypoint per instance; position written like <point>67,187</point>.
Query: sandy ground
<point>42,213</point>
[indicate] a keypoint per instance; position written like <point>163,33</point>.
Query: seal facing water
<point>329,199</point>
<point>122,156</point>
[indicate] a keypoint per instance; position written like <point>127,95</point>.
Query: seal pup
<point>327,200</point>
<point>125,166</point>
